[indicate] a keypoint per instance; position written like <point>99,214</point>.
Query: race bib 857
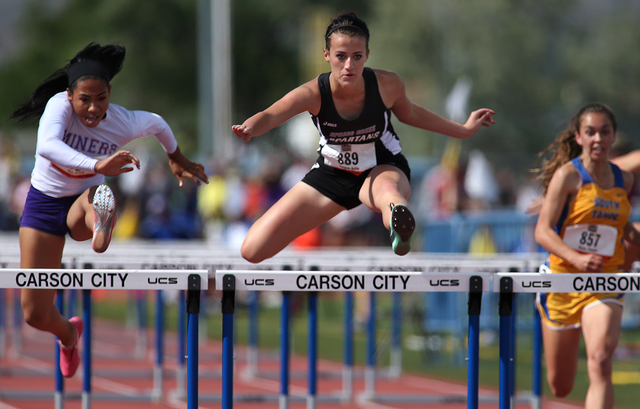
<point>592,238</point>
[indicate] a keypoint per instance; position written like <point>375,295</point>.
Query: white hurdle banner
<point>570,282</point>
<point>89,279</point>
<point>287,280</point>
<point>193,281</point>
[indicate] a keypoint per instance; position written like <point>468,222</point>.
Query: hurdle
<point>229,281</point>
<point>141,263</point>
<point>90,279</point>
<point>508,284</point>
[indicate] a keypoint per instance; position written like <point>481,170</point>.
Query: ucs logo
<point>163,280</point>
<point>536,284</point>
<point>260,281</point>
<point>444,283</point>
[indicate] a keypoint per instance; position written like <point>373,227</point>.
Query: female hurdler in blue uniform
<point>582,223</point>
<point>360,159</point>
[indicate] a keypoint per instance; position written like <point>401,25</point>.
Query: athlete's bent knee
<point>560,389</point>
<point>600,365</point>
<point>249,253</point>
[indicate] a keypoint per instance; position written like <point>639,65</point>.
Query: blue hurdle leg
<point>193,312</point>
<point>313,350</point>
<point>475,301</point>
<point>512,362</point>
<point>284,350</point>
<point>473,364</point>
<point>86,350</point>
<point>228,307</point>
<point>59,380</point>
<point>506,309</point>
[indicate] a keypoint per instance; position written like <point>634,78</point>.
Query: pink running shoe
<point>69,357</point>
<point>104,207</point>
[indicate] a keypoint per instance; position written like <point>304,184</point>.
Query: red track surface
<point>118,373</point>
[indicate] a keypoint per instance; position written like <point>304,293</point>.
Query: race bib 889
<point>357,157</point>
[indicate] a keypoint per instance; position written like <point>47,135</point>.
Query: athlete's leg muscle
<point>385,184</point>
<point>300,210</point>
<point>43,250</point>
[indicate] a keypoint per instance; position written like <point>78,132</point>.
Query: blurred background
<point>207,64</point>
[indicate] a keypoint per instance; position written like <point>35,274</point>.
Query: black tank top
<point>370,136</point>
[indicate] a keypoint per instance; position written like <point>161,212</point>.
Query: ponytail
<point>109,57</point>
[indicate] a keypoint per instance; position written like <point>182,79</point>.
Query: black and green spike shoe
<point>401,228</point>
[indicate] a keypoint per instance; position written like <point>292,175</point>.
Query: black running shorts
<point>344,187</point>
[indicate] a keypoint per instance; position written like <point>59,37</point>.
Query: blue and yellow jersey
<point>594,222</point>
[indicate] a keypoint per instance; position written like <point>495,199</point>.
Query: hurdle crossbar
<point>376,281</point>
<point>570,282</point>
<point>288,281</point>
<point>90,279</point>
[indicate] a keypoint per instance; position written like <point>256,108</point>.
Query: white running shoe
<point>104,207</point>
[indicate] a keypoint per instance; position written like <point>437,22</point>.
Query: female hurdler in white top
<point>79,140</point>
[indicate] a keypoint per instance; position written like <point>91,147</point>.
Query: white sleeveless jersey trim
<point>389,139</point>
<point>323,140</point>
<point>74,149</point>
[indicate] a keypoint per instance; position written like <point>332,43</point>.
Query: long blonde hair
<point>565,147</point>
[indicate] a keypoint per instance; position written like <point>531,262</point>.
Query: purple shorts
<point>46,213</point>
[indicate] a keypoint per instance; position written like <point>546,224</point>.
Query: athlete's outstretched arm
<point>182,167</point>
<point>303,98</point>
<point>629,161</point>
<point>413,114</point>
